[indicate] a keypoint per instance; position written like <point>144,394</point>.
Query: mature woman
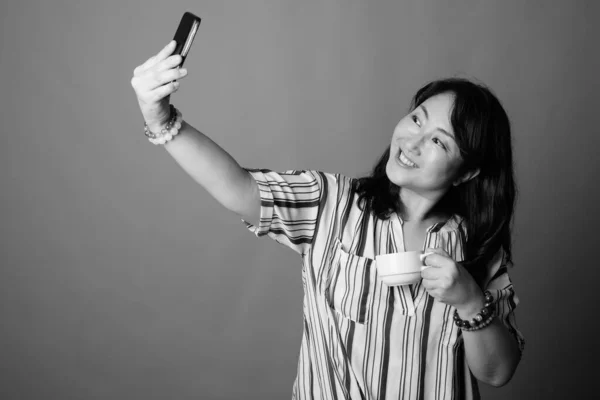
<point>445,185</point>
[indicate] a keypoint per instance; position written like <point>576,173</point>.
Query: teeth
<point>406,160</point>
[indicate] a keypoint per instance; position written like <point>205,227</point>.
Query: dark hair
<point>486,202</point>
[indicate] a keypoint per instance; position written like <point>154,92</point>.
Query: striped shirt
<point>361,338</point>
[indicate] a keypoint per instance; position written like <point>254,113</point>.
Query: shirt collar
<point>451,224</point>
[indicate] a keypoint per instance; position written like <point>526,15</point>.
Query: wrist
<point>470,309</point>
<point>160,118</point>
<point>167,131</point>
<point>158,124</point>
<point>157,127</point>
<point>481,319</point>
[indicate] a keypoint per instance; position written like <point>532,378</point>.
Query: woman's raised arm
<point>205,161</point>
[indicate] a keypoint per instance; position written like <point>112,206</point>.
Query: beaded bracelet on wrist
<point>170,130</point>
<point>482,319</point>
<point>172,115</point>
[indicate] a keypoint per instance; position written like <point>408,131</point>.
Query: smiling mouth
<point>404,161</point>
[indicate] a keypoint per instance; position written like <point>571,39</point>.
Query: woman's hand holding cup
<point>154,81</point>
<point>449,282</point>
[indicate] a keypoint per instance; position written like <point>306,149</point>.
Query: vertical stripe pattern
<point>362,339</point>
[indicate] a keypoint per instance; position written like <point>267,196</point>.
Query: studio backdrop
<point>121,278</point>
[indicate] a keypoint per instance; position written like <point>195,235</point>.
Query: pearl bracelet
<point>170,130</point>
<point>488,312</point>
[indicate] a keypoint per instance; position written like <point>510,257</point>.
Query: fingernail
<point>176,84</point>
<point>183,71</point>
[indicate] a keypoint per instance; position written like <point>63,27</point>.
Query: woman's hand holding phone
<point>204,160</point>
<point>154,81</point>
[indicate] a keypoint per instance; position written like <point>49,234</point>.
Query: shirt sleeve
<point>289,206</point>
<point>501,288</point>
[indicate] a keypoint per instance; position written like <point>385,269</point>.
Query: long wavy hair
<point>485,203</point>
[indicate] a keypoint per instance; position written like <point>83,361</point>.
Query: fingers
<point>437,250</point>
<point>152,79</point>
<point>155,88</point>
<point>164,91</point>
<point>156,78</point>
<point>159,57</point>
<point>436,257</point>
<point>154,75</point>
<point>427,284</point>
<point>160,78</point>
<point>168,63</point>
<point>430,273</point>
<point>166,51</point>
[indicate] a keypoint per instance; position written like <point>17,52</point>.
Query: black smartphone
<point>184,36</point>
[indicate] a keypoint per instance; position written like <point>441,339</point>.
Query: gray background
<point>123,279</point>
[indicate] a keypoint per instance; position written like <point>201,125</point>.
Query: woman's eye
<point>416,120</point>
<point>439,142</point>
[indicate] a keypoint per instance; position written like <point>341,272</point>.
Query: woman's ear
<point>467,176</point>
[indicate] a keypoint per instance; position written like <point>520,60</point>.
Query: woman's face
<point>424,156</point>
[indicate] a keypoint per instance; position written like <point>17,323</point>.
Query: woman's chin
<point>389,171</point>
<point>396,181</point>
<point>392,173</point>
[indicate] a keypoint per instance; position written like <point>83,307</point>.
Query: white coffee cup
<point>402,268</point>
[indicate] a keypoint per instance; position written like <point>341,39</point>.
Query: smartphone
<point>184,36</point>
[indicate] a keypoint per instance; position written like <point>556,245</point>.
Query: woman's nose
<point>414,143</point>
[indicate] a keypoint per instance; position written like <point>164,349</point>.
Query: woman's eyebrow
<point>445,132</point>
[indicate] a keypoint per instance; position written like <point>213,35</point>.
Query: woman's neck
<point>420,210</point>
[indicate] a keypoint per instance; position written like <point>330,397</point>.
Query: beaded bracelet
<point>172,116</point>
<point>170,130</point>
<point>482,319</point>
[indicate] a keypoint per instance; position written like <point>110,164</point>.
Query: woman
<point>444,185</point>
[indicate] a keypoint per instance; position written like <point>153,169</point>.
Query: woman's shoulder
<point>333,181</point>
